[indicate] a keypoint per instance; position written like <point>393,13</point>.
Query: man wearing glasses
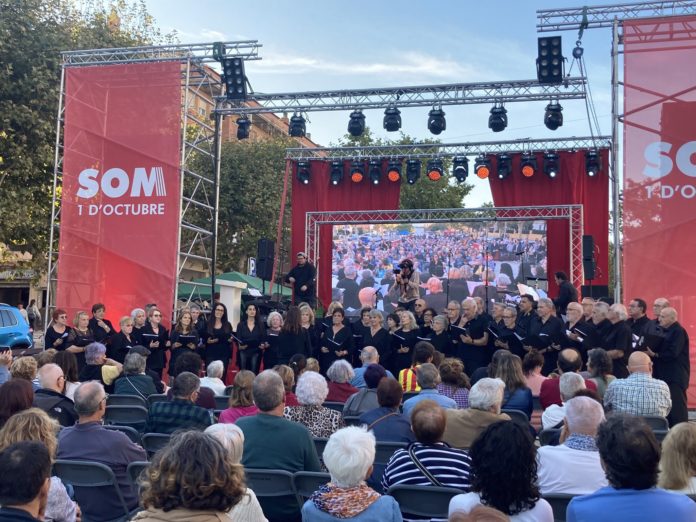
<point>50,396</point>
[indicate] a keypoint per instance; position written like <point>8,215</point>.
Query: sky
<point>322,45</point>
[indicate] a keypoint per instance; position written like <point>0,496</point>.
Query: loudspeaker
<point>587,250</point>
<point>264,259</point>
<point>595,291</point>
<point>588,266</point>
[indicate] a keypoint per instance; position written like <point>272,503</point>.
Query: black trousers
<point>679,412</point>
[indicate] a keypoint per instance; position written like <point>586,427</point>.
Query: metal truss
<point>446,150</point>
<point>201,53</point>
<point>571,19</point>
<point>572,213</point>
<point>417,96</point>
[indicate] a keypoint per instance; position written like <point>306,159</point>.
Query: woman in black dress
<point>403,341</point>
<point>139,320</point>
<point>156,339</point>
<point>293,338</point>
<point>274,323</point>
<point>58,332</point>
<point>101,327</point>
<point>218,337</point>
<point>80,336</point>
<point>439,337</point>
<point>337,341</point>
<point>313,330</point>
<point>122,342</point>
<point>184,337</point>
<point>251,333</point>
<point>378,337</point>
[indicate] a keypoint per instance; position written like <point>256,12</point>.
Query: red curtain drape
<point>571,186</point>
<point>319,196</point>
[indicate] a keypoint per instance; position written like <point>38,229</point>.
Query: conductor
<point>303,278</point>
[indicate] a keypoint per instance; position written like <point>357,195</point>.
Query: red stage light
<point>434,175</point>
<point>356,176</point>
<point>482,171</point>
<point>527,171</point>
<point>393,175</point>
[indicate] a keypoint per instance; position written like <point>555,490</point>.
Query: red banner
<point>120,193</point>
<point>659,213</point>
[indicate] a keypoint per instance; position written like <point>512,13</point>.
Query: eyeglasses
<point>106,397</point>
<point>156,315</point>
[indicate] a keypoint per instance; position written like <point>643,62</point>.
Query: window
<point>7,319</point>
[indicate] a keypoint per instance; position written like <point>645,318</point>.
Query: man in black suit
<point>567,293</point>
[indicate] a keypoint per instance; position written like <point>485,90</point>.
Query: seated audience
<point>213,378</point>
<point>428,379</point>
<point>134,380</point>
<point>479,514</point>
<point>181,412</point>
<point>517,395</point>
<point>273,442</point>
<point>340,373</point>
<point>422,353</point>
<point>193,478</point>
<point>630,457</point>
<point>241,403</point>
<point>288,375</point>
<point>678,459</point>
<point>532,364</point>
<point>49,396</point>
<point>599,367</point>
<point>25,368</point>
<point>446,466</point>
<point>639,393</point>
<point>100,368</point>
<point>573,468</point>
<point>312,365</point>
<point>368,355</point>
<point>485,401</point>
<point>89,440</point>
<point>5,363</point>
<point>191,362</point>
<point>454,382</point>
<point>504,475</point>
<point>35,425</point>
<point>141,350</point>
<point>311,393</point>
<point>25,479</point>
<point>15,395</point>
<point>387,423</point>
<point>68,363</point>
<point>365,399</point>
<point>570,383</point>
<point>569,361</point>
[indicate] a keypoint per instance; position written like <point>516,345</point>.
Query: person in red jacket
<point>569,360</point>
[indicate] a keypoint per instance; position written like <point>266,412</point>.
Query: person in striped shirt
<point>422,353</point>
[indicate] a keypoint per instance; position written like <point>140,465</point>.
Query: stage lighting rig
<point>436,120</point>
<point>413,169</point>
<point>549,60</point>
<point>394,171</point>
<point>303,174</point>
<point>356,125</point>
<point>504,164</point>
<point>551,165</point>
<point>357,172</point>
<point>234,78</point>
<point>336,175</point>
<point>553,117</point>
<point>298,126</point>
<point>243,127</point>
<point>460,168</point>
<point>528,164</point>
<point>392,118</point>
<point>592,166</point>
<point>482,167</point>
<point>498,119</point>
<point>375,171</point>
<point>434,169</point>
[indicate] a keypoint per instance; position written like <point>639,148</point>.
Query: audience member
<point>599,366</point>
<point>386,422</point>
<point>365,399</point>
<point>68,363</point>
<point>569,360</point>
<point>15,395</point>
<point>288,377</point>
<point>134,380</point>
<point>100,368</point>
<point>25,368</point>
<point>193,478</point>
<point>504,475</point>
<point>340,373</point>
<point>485,401</point>
<point>348,456</point>
<point>517,395</point>
<point>479,514</point>
<point>368,355</point>
<point>50,398</point>
<point>141,350</point>
<point>25,478</point>
<point>678,459</point>
<point>532,364</point>
<point>639,393</point>
<point>312,365</point>
<point>573,468</point>
<point>630,457</point>
<point>241,403</point>
<point>311,393</point>
<point>454,382</point>
<point>191,362</point>
<point>428,379</point>
<point>570,383</point>
<point>89,440</point>
<point>5,363</point>
<point>422,353</point>
<point>213,378</point>
<point>181,412</point>
<point>273,442</point>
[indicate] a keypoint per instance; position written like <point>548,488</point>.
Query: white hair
<point>584,415</point>
<point>340,371</point>
<point>348,455</point>
<point>271,316</point>
<point>215,369</point>
<point>369,354</point>
<point>487,394</point>
<point>311,389</point>
<point>135,312</point>
<point>545,301</point>
<point>620,311</point>
<point>231,436</point>
<point>569,384</point>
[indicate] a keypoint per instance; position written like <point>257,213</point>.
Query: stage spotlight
<point>553,118</point>
<point>551,166</point>
<point>460,168</point>
<point>336,175</point>
<point>434,169</point>
<point>528,164</point>
<point>592,166</point>
<point>482,167</point>
<point>498,120</point>
<point>234,78</point>
<point>436,120</point>
<point>392,119</point>
<point>357,172</point>
<point>297,127</point>
<point>219,51</point>
<point>549,60</point>
<point>394,171</point>
<point>413,169</point>
<point>303,172</point>
<point>375,172</point>
<point>243,127</point>
<point>356,125</point>
<point>504,164</point>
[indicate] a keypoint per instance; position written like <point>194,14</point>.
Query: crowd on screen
<point>461,394</point>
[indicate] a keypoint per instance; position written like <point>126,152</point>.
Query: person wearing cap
<point>303,278</point>
<point>407,284</point>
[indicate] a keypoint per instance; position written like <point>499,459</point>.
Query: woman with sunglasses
<point>218,336</point>
<point>155,338</point>
<point>58,332</point>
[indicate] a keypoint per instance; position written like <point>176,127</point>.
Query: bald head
<point>639,362</point>
<point>369,355</point>
<point>51,377</point>
<point>667,317</point>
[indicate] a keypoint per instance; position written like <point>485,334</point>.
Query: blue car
<point>14,330</point>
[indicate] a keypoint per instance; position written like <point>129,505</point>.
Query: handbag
<point>419,465</point>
